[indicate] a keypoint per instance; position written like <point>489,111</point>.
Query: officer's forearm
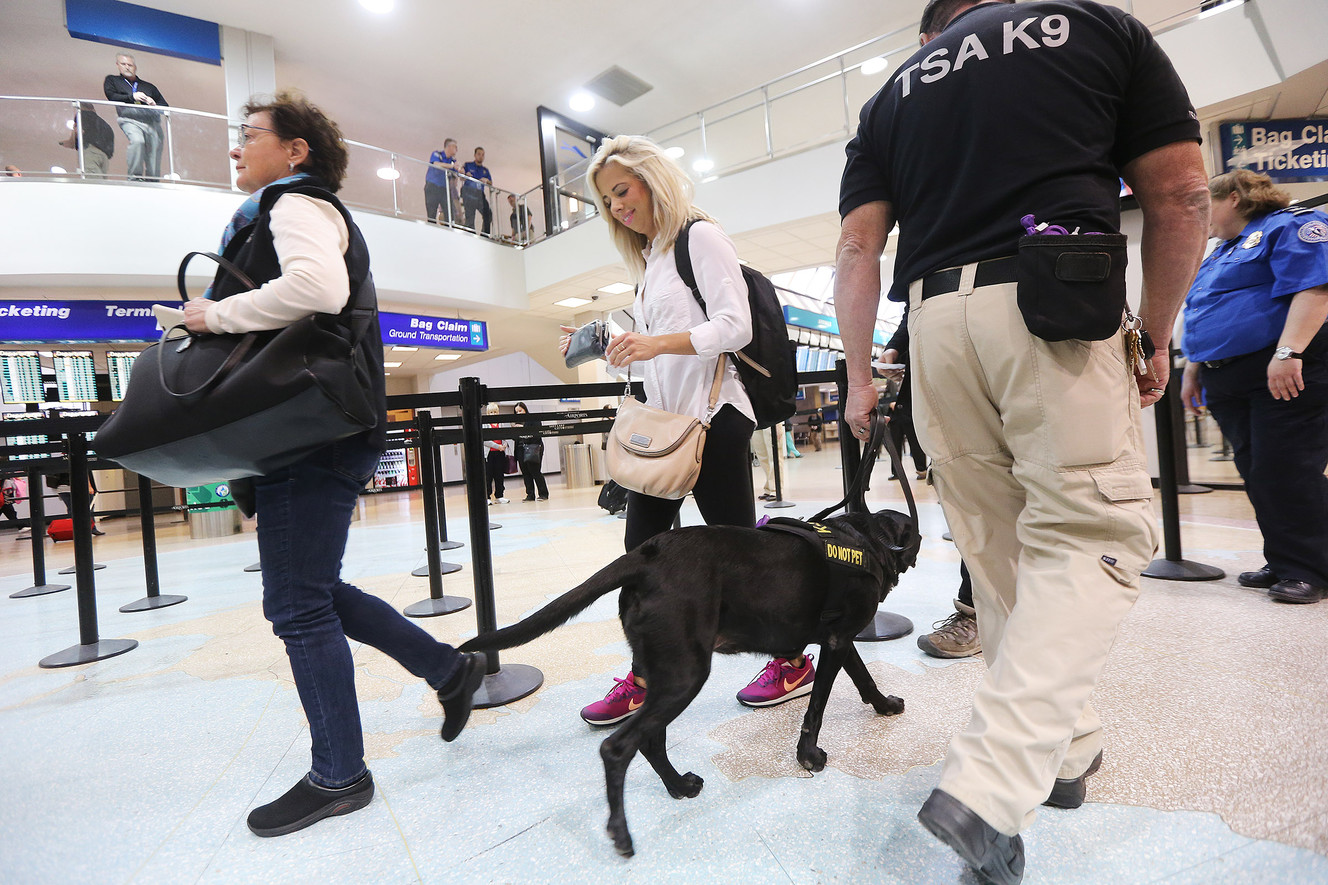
<point>1308,311</point>
<point>858,284</point>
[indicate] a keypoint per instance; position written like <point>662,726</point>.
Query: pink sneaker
<point>780,681</point>
<point>623,700</point>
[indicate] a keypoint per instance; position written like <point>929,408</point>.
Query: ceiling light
<point>401,349</point>
<point>69,124</point>
<point>382,7</point>
<point>391,365</point>
<point>874,65</point>
<point>58,170</point>
<point>572,302</point>
<point>703,165</point>
<point>387,173</point>
<point>448,356</point>
<point>616,288</point>
<point>581,101</point>
<point>675,152</point>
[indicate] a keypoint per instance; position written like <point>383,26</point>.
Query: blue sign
<point>422,331</point>
<point>807,319</point>
<point>37,322</point>
<point>1284,150</point>
<point>138,27</point>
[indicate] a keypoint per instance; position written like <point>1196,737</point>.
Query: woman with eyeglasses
<point>298,243</point>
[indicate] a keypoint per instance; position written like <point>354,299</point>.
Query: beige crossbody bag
<point>655,452</point>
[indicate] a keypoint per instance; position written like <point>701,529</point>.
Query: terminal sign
<point>424,331</point>
<point>1284,150</point>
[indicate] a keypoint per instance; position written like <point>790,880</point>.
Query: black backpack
<point>613,497</point>
<point>768,365</point>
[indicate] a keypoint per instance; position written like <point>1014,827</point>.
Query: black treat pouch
<point>1072,285</point>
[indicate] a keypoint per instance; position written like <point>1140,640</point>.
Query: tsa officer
<point>1257,349</point>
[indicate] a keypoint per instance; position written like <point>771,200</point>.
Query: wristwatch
<point>1286,353</point>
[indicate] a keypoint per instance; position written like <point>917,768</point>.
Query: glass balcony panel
<point>363,187</point>
<point>196,148</point>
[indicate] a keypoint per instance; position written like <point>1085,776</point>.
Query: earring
<point>291,167</point>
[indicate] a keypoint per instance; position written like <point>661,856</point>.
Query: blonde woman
<point>646,199</point>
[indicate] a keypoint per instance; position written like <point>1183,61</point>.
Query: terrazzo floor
<point>141,768</point>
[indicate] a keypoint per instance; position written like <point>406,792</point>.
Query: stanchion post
<point>886,625</point>
<point>1172,567</point>
<point>444,543</point>
<point>434,505</point>
<point>91,647</point>
<point>501,684</point>
<point>437,603</point>
<point>37,522</point>
<point>148,526</point>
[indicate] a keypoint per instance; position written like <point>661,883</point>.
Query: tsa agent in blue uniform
<point>1258,354</point>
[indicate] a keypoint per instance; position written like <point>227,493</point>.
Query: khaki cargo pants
<point>1038,459</point>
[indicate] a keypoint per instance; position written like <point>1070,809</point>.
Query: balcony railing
<point>195,145</point>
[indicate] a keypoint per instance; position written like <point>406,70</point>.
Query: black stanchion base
<point>886,625</point>
<point>39,590</point>
<point>256,567</point>
<point>775,505</point>
<point>1192,489</point>
<point>511,683</point>
<point>432,608</point>
<point>445,568</point>
<point>147,603</point>
<point>86,654</point>
<point>1182,570</point>
<point>96,567</point>
<point>449,545</point>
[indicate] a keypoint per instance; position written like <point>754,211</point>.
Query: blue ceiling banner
<point>819,322</point>
<point>441,332</point>
<point>41,322</point>
<point>138,27</point>
<point>1284,150</point>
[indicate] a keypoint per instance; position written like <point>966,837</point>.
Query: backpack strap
<point>682,258</point>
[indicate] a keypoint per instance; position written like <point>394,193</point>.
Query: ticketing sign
<point>1284,150</point>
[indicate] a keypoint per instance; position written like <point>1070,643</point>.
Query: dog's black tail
<point>562,609</point>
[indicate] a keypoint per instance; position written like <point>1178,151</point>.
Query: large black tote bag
<point>204,408</point>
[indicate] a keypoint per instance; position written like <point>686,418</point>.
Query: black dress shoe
<point>458,696</point>
<point>1069,792</point>
<point>997,858</point>
<point>307,803</point>
<point>1297,591</point>
<point>1262,579</point>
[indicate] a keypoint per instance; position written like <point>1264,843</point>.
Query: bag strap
<point>682,259</point>
<point>226,264</point>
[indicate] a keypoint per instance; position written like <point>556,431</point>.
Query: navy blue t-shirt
<point>1013,109</point>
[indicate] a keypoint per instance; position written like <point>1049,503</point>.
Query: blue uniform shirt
<point>1240,297</point>
<point>434,175</point>
<point>475,170</point>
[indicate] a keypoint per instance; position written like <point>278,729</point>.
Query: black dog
<point>695,591</point>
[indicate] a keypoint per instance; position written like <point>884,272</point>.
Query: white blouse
<point>681,382</point>
<point>311,239</point>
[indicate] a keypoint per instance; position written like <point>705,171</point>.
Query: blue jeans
<point>304,516</point>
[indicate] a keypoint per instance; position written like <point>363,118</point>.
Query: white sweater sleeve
<point>311,238</point>
<point>728,326</point>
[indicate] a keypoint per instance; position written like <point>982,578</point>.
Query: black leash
<point>857,489</point>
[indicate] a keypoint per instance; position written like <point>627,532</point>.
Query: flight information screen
<point>75,376</point>
<point>38,440</point>
<point>120,365</point>
<point>20,377</point>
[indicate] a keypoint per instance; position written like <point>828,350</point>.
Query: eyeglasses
<point>244,136</point>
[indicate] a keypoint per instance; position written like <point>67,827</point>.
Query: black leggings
<point>723,490</point>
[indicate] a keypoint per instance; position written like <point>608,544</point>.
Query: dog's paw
<point>889,705</point>
<point>690,787</point>
<point>622,841</point>
<point>813,759</point>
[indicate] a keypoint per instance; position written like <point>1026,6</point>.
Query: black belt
<point>1217,364</point>
<point>991,272</point>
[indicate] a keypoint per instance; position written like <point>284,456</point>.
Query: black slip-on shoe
<point>1069,792</point>
<point>1298,592</point>
<point>1260,579</point>
<point>998,859</point>
<point>307,803</point>
<point>458,696</point>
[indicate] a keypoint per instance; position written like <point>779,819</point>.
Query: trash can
<point>212,513</point>
<point>576,466</point>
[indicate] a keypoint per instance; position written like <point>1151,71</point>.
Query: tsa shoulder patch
<point>1314,231</point>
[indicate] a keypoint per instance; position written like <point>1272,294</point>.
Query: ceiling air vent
<point>618,86</point>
